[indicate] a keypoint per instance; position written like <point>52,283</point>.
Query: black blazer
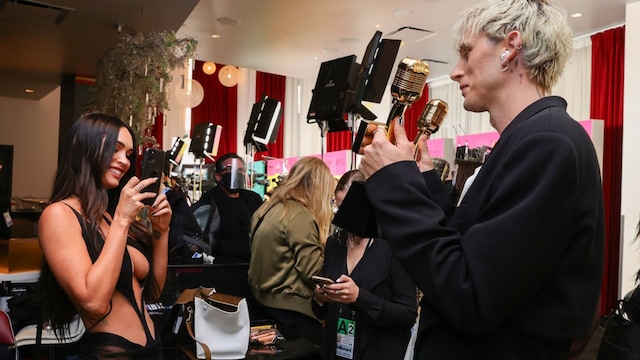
<point>386,306</point>
<point>514,272</point>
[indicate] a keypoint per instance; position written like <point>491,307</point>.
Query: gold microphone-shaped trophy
<point>430,120</point>
<point>406,88</point>
<point>356,214</point>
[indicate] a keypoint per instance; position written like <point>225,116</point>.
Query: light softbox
<point>330,95</point>
<point>205,139</point>
<point>268,121</point>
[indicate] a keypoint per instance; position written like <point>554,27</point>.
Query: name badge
<point>346,338</point>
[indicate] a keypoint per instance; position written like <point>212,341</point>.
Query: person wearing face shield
<point>232,206</point>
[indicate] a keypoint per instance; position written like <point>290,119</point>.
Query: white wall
<point>32,128</point>
<point>630,205</point>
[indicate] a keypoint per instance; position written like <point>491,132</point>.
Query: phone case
<point>152,166</point>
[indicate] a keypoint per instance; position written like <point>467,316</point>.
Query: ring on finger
<point>337,292</point>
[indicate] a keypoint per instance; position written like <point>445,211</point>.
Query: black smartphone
<point>152,166</point>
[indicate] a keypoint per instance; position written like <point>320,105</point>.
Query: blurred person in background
<point>230,211</point>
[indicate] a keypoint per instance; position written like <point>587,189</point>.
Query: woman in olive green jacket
<point>287,248</point>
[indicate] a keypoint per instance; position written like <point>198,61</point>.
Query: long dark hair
<point>86,156</point>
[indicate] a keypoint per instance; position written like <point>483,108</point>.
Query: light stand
<point>248,159</point>
<point>352,117</point>
<point>196,190</point>
<point>324,129</point>
<point>198,170</point>
<point>251,149</point>
<point>205,141</point>
<point>262,129</point>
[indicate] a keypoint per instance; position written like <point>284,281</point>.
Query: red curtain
<point>412,114</point>
<point>338,140</point>
<point>219,106</point>
<point>274,87</point>
<point>341,140</point>
<point>607,87</point>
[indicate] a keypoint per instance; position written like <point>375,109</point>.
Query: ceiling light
<point>401,14</point>
<point>209,67</point>
<point>228,75</point>
<point>29,91</point>
<point>576,15</point>
<point>189,93</point>
<point>228,21</point>
<point>349,40</point>
<point>215,36</point>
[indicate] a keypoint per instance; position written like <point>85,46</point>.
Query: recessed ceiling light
<point>215,36</point>
<point>29,91</point>
<point>399,14</point>
<point>576,15</point>
<point>329,50</point>
<point>349,40</point>
<point>228,21</point>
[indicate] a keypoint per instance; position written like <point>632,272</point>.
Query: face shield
<point>234,175</point>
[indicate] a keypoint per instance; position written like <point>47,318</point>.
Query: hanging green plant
<point>132,78</point>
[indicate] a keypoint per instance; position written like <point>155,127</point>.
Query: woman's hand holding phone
<point>321,280</point>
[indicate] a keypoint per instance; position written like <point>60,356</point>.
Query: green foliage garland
<point>132,78</point>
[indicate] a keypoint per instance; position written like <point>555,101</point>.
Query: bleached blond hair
<point>546,36</point>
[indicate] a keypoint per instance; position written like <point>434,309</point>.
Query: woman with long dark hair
<point>101,261</point>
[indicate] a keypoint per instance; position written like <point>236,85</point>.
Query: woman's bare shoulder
<point>61,208</point>
<point>58,216</point>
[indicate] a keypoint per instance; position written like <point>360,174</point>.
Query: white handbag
<point>219,323</point>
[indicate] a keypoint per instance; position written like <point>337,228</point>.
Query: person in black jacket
<point>231,209</point>
<point>373,295</point>
<point>514,271</point>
